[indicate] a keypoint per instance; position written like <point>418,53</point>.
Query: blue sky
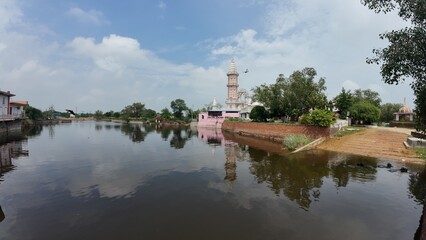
<point>90,55</point>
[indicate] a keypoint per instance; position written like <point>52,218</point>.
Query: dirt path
<point>384,143</point>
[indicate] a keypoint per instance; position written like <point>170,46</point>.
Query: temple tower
<point>232,85</point>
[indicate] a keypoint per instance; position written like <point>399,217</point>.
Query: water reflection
<point>180,137</point>
<point>2,216</point>
<point>136,132</point>
<point>10,151</point>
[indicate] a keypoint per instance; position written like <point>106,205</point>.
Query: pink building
<point>215,117</point>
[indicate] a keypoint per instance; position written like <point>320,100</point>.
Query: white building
<point>5,110</point>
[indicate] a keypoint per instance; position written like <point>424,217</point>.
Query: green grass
<point>420,152</point>
<point>293,142</point>
<point>348,131</point>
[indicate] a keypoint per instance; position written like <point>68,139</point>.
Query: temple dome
<point>405,109</point>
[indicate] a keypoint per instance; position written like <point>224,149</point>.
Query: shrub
<point>318,117</point>
<point>293,142</point>
<point>259,114</point>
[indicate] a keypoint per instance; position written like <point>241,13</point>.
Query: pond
<point>105,180</point>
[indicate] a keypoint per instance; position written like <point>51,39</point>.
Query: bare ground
<point>383,143</point>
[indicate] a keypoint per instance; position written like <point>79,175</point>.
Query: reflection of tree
<point>33,130</point>
<point>298,178</point>
<point>346,169</point>
<point>98,127</point>
<point>134,132</point>
<point>51,129</point>
<point>417,185</point>
<point>177,140</point>
<point>2,216</point>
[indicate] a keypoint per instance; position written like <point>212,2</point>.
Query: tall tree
<point>387,111</point>
<point>365,111</point>
<point>165,113</point>
<point>344,102</point>
<point>133,111</point>
<point>302,93</point>
<point>405,55</point>
<point>367,95</point>
<point>178,106</point>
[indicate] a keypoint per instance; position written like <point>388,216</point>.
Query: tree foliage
<point>33,113</point>
<point>421,110</point>
<point>259,114</point>
<point>405,55</point>
<point>133,111</point>
<point>319,117</point>
<point>292,96</point>
<point>178,106</point>
<point>387,111</point>
<point>165,113</point>
<point>364,112</point>
<point>367,95</point>
<point>344,102</point>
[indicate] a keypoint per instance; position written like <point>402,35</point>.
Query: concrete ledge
<point>413,142</point>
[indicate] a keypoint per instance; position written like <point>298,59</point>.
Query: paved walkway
<point>379,142</point>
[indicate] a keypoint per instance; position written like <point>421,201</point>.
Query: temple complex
<point>238,103</point>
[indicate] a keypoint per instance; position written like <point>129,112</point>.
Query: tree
<point>421,109</point>
<point>367,95</point>
<point>98,114</point>
<point>344,102</point>
<point>133,111</point>
<point>259,114</point>
<point>365,112</point>
<point>33,113</point>
<point>165,113</point>
<point>319,117</point>
<point>387,111</point>
<point>405,55</point>
<point>149,114</point>
<point>178,106</point>
<point>293,96</point>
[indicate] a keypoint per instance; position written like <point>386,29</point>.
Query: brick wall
<point>275,132</point>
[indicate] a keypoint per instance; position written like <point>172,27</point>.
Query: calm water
<point>101,180</point>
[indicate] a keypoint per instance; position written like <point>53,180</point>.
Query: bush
<point>318,117</point>
<point>365,112</point>
<point>259,114</point>
<point>293,142</point>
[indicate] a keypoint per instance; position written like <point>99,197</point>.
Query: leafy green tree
<point>344,101</point>
<point>259,114</point>
<point>421,109</point>
<point>405,55</point>
<point>109,114</point>
<point>165,113</point>
<point>319,117</point>
<point>98,114</point>
<point>33,113</point>
<point>365,112</point>
<point>387,111</point>
<point>149,114</point>
<point>367,95</point>
<point>178,106</point>
<point>116,114</point>
<point>133,111</point>
<point>293,96</point>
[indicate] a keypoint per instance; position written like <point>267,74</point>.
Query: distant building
<point>238,103</point>
<point>17,108</point>
<point>5,110</point>
<point>404,114</point>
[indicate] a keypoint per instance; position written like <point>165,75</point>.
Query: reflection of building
<point>8,152</point>
<point>214,138</point>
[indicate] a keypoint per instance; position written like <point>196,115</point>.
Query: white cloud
<point>91,16</point>
<point>162,5</point>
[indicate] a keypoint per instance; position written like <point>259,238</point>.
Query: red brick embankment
<point>274,132</point>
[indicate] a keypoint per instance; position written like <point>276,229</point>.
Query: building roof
<point>19,102</point>
<point>7,93</point>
